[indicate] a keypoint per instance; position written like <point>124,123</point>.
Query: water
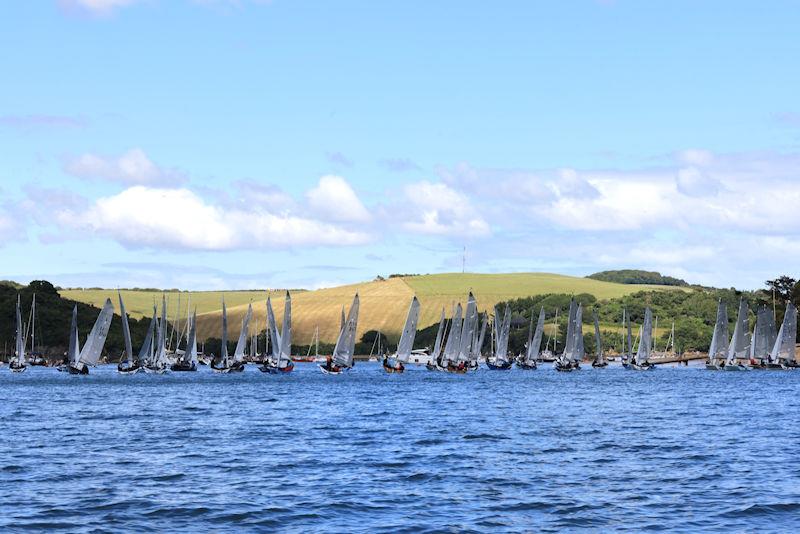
<point>673,449</point>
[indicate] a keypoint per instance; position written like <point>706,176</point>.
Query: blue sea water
<point>673,449</point>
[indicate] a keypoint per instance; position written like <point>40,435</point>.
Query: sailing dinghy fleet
<point>457,348</point>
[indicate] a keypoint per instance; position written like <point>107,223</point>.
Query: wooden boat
<point>342,358</point>
<point>280,359</point>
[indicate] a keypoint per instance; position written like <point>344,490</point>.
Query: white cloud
<point>437,209</point>
<point>334,200</point>
<point>180,219</point>
<point>693,182</point>
<point>95,7</point>
<point>131,168</point>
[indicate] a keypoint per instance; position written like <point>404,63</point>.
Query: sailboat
<point>128,365</point>
<point>570,359</point>
<point>534,344</point>
<point>450,353</point>
<point>459,359</point>
<point>157,362</point>
<point>280,360</point>
<point>763,338</point>
<point>79,360</point>
<point>35,357</point>
<point>739,347</point>
<point>641,361</point>
<point>783,354</point>
<point>436,352</point>
<point>478,338</point>
<point>314,343</point>
<point>395,363</point>
<point>342,358</point>
<point>225,363</point>
<point>18,364</point>
<point>718,349</point>
<point>187,361</point>
<point>501,329</point>
<point>599,357</point>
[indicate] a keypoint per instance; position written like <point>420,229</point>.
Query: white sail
<point>286,331</point>
<point>126,331</point>
<point>274,335</point>
<point>579,352</point>
<point>190,356</point>
<point>19,352</point>
<point>146,352</point>
<point>467,328</point>
<point>599,358</point>
<point>454,338</point>
<point>785,344</point>
<point>74,350</point>
<point>535,343</point>
<point>645,342</point>
<point>238,354</point>
<point>478,345</point>
<point>160,352</point>
<point>501,350</point>
<point>344,350</point>
<point>719,340</point>
<point>569,344</point>
<point>97,337</point>
<point>223,353</point>
<point>739,347</point>
<point>437,345</point>
<point>406,344</point>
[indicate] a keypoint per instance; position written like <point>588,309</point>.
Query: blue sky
<point>250,144</point>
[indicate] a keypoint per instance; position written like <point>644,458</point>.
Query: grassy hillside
<point>384,303</point>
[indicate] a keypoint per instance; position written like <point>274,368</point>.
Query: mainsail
<point>475,353</point>
<point>190,356</point>
<point>453,339</point>
<point>346,343</point>
<point>437,345</point>
<point>579,352</point>
<point>739,346</point>
<point>467,329</point>
<point>599,358</point>
<point>244,333</point>
<point>406,343</point>
<point>646,341</point>
<point>159,359</point>
<point>126,331</point>
<point>146,352</point>
<point>286,332</point>
<point>719,340</point>
<point>501,352</point>
<point>20,345</point>
<point>784,348</point>
<point>535,342</point>
<point>280,342</point>
<point>74,350</point>
<point>97,337</point>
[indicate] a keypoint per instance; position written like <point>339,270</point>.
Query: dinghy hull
<point>183,367</point>
<point>502,367</point>
<point>527,366</point>
<point>275,370</point>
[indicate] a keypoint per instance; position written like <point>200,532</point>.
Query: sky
<point>288,143</point>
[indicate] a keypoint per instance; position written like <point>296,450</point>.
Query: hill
<point>632,276</point>
<point>384,303</point>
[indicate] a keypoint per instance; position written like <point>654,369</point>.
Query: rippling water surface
<point>681,449</point>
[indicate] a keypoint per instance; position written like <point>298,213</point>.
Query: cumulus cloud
<point>131,168</point>
<point>180,219</point>
<point>333,199</point>
<point>437,209</point>
<point>693,182</point>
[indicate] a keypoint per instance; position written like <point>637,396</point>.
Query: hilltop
<point>633,276</point>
